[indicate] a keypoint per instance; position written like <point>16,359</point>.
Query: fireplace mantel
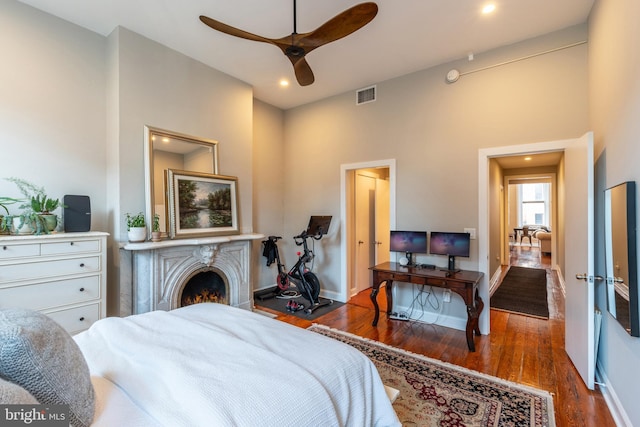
<point>148,246</point>
<point>153,274</point>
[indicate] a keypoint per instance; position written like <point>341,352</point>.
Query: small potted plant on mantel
<point>136,228</point>
<point>155,228</point>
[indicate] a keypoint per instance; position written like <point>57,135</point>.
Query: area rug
<point>435,393</point>
<point>280,304</point>
<point>523,290</point>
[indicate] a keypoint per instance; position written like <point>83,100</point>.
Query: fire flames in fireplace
<point>206,295</point>
<point>206,286</point>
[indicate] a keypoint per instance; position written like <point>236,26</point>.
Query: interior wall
<point>496,207</point>
<point>434,130</point>
<point>269,175</point>
<point>614,91</point>
<point>52,107</point>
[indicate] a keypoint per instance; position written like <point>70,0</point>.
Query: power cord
<point>421,298</point>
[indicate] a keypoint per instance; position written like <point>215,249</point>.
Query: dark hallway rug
<point>435,393</point>
<point>524,291</point>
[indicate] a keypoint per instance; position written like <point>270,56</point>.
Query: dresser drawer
<point>9,250</point>
<point>437,282</point>
<point>76,319</point>
<point>41,296</point>
<point>396,277</point>
<point>43,269</point>
<point>71,247</point>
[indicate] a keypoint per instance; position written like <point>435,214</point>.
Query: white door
<point>579,257</point>
<point>364,225</point>
<point>382,221</point>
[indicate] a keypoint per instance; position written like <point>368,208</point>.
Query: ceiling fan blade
<point>232,31</point>
<point>303,72</point>
<point>341,25</point>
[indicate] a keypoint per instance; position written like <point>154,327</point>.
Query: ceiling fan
<point>295,46</point>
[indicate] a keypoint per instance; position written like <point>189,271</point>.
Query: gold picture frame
<point>202,204</point>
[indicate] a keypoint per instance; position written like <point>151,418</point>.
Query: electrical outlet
<point>446,295</point>
<point>472,233</point>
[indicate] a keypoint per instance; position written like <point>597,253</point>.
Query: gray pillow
<point>40,356</point>
<point>13,394</point>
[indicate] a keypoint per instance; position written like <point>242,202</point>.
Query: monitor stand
<point>409,257</point>
<point>451,267</point>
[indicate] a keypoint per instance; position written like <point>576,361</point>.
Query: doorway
<point>367,215</point>
<point>537,209</point>
<point>574,240</point>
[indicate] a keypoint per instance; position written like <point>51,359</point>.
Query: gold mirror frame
<point>164,150</point>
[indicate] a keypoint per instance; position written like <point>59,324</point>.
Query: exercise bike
<point>300,275</point>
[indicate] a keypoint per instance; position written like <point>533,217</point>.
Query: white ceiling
<point>405,36</point>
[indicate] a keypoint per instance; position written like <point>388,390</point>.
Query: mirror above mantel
<point>166,150</point>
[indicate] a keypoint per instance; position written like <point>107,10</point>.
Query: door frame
<point>552,180</point>
<point>345,169</point>
<point>484,156</point>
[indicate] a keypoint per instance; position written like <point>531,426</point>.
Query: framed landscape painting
<point>202,204</point>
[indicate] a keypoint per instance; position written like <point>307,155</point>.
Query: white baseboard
<point>495,279</point>
<point>616,409</point>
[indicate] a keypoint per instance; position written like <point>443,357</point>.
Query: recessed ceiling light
<point>488,8</point>
<point>527,159</point>
<point>166,140</point>
<point>284,82</point>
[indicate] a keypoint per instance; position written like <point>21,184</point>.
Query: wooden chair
<point>525,233</point>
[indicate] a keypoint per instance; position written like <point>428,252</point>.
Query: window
<point>534,199</point>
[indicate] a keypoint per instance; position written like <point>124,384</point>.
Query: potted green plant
<point>136,228</point>
<point>155,228</point>
<point>5,226</point>
<point>37,211</point>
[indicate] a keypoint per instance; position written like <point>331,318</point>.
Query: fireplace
<point>204,286</point>
<point>155,276</point>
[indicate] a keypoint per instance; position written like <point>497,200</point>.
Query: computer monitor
<point>450,244</point>
<point>318,225</point>
<point>409,242</point>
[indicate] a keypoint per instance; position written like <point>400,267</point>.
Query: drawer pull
<point>81,289</point>
<point>82,319</point>
<point>71,243</point>
<point>4,248</point>
<point>82,264</point>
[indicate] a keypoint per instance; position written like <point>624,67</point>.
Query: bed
<point>215,365</point>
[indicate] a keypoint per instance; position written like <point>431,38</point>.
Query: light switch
<point>472,233</point>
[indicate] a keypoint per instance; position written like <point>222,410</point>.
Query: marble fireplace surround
<point>153,274</point>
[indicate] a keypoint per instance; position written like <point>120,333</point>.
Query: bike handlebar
<point>304,235</point>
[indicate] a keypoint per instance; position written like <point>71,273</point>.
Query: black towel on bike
<point>269,251</point>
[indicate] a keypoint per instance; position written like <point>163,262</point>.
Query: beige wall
<point>433,130</point>
<point>614,91</point>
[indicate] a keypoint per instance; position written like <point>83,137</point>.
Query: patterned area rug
<point>434,393</point>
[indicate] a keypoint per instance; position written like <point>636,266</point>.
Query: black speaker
<point>77,213</point>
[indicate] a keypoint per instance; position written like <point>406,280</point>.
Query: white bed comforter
<point>215,365</point>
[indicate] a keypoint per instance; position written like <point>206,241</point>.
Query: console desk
<point>462,282</point>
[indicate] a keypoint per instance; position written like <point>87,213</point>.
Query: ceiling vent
<point>366,95</point>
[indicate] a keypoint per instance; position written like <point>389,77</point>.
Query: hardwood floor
<point>522,349</point>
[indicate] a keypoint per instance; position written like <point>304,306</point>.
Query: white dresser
<point>62,275</point>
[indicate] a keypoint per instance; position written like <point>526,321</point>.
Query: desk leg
<point>473,313</point>
<point>374,298</point>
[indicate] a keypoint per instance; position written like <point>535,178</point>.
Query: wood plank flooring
<point>522,349</point>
